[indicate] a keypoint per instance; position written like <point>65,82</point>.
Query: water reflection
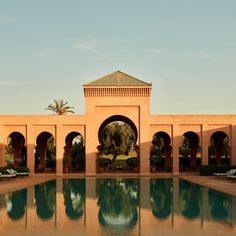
<point>220,205</point>
<point>16,204</point>
<point>74,197</point>
<point>117,206</point>
<point>161,197</point>
<point>45,199</point>
<point>118,201</point>
<point>190,199</point>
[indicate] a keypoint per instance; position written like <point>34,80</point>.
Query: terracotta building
<point>118,96</point>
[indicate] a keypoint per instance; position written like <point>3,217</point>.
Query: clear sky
<point>185,48</point>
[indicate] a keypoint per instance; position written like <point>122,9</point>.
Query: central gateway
<point>117,95</point>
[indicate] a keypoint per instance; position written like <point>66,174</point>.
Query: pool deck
<point>218,183</point>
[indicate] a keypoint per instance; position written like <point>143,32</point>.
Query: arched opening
<point>16,154</point>
<point>219,149</point>
<point>190,152</point>
<point>45,154</point>
<point>160,154</point>
<point>74,155</point>
<point>117,151</point>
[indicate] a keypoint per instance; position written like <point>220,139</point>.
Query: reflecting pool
<point>117,206</point>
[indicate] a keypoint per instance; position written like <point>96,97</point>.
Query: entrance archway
<point>45,155</point>
<point>16,150</point>
<point>189,150</point>
<point>117,151</point>
<point>74,155</point>
<point>219,149</point>
<point>160,154</point>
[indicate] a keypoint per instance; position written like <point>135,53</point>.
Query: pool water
<point>117,206</point>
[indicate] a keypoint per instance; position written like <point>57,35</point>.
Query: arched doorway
<point>16,150</point>
<point>189,151</point>
<point>45,154</point>
<point>160,154</point>
<point>117,151</point>
<point>74,155</point>
<point>219,149</point>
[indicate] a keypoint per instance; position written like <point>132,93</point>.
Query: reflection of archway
<point>118,201</point>
<point>45,199</point>
<point>190,199</point>
<point>189,150</point>
<point>45,155</point>
<point>74,155</point>
<point>74,197</point>
<point>161,197</point>
<point>219,149</point>
<point>16,150</point>
<point>160,154</point>
<point>118,151</point>
<point>16,204</point>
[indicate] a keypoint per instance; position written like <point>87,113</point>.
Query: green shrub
<point>103,162</point>
<point>21,169</point>
<point>132,162</point>
<point>210,169</point>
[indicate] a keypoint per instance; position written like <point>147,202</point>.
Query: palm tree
<point>60,108</point>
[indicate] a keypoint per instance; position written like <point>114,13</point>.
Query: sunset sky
<point>185,48</point>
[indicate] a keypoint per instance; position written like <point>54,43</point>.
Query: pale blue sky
<point>185,48</point>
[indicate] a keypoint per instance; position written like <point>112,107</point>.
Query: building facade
<point>116,96</point>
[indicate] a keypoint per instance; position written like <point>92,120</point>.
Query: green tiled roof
<point>117,78</point>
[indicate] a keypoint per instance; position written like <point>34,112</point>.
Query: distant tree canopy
<point>117,138</point>
<point>59,107</point>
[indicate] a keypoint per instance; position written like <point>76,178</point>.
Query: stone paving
<point>219,183</point>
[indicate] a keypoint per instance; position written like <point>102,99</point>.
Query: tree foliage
<point>117,138</point>
<point>60,107</point>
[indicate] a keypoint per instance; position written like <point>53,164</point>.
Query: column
<point>233,145</point>
<point>205,144</point>
<point>176,142</point>
<point>59,150</point>
<point>30,149</point>
<point>91,149</point>
<point>145,140</point>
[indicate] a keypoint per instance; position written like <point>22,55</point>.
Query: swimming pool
<point>117,206</point>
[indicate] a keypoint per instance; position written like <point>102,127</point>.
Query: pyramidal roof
<point>117,78</point>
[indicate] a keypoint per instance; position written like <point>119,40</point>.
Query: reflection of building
<point>174,221</point>
<point>117,96</point>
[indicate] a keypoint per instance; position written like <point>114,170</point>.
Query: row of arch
<point>45,152</point>
<point>189,150</point>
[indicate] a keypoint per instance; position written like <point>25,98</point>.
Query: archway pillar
<point>145,142</point>
<point>205,144</point>
<point>30,144</point>
<point>59,150</point>
<point>176,140</point>
<point>233,145</point>
<point>91,150</point>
